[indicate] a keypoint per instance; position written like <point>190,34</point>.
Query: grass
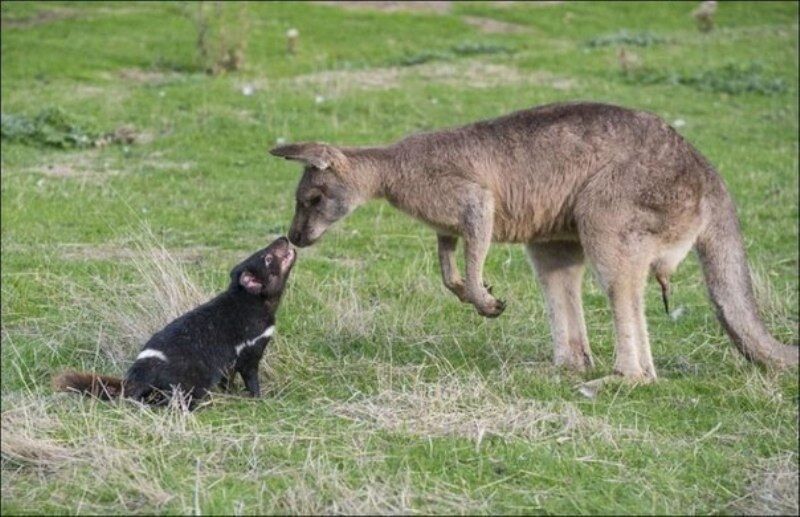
<point>383,394</point>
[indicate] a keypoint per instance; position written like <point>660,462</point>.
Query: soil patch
<point>392,7</point>
<point>492,26</point>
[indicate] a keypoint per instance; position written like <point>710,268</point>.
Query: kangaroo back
<point>721,252</point>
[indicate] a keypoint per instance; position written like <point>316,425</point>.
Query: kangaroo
<point>571,182</point>
<point>208,345</point>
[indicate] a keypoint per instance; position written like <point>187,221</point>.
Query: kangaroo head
<point>326,193</point>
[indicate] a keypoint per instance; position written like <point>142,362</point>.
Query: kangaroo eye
<point>267,260</point>
<point>314,201</point>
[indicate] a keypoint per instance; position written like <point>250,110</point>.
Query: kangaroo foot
<point>591,388</point>
<point>577,358</point>
<point>490,307</point>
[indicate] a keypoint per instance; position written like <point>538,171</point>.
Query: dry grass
<point>128,316</point>
<point>133,463</point>
<point>322,488</point>
<point>468,406</point>
<point>353,316</point>
<point>772,488</point>
<point>23,443</point>
<point>30,430</point>
<point>777,304</point>
<point>124,453</point>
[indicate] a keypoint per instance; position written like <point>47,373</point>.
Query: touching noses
<point>295,237</point>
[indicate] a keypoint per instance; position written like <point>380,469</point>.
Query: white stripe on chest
<point>149,352</point>
<point>250,342</point>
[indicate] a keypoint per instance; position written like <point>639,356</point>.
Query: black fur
<point>200,346</point>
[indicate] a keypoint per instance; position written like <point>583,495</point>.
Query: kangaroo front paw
<point>492,308</point>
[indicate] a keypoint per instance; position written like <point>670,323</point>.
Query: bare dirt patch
<point>492,26</point>
<point>91,91</point>
<point>536,3</point>
<point>90,167</point>
<point>476,74</point>
<point>149,77</point>
<point>84,166</point>
<point>50,15</point>
<point>392,7</point>
<point>486,75</point>
<point>337,82</point>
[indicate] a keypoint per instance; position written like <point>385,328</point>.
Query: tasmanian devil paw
<point>492,309</point>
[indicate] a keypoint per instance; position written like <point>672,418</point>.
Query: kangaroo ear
<point>250,283</point>
<point>319,155</point>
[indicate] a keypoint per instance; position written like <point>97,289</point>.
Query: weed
<point>221,35</point>
<point>459,50</point>
<point>731,78</point>
<point>51,127</point>
<point>54,127</point>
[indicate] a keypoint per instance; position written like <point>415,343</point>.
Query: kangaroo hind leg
<point>559,267</point>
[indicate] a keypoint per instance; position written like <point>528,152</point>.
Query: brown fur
<point>100,386</point>
<point>572,182</point>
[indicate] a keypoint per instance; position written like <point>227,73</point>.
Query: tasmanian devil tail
<point>721,252</point>
<point>100,386</point>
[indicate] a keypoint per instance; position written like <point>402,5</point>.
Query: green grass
<point>383,393</point>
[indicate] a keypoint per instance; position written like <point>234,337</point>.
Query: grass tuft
<point>731,78</point>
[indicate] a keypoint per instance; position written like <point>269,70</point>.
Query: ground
<point>382,392</point>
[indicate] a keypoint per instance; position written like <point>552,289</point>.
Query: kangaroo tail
<point>92,384</point>
<point>721,252</point>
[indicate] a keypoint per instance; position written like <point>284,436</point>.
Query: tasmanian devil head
<point>265,272</point>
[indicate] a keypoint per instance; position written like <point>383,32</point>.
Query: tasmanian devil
<point>208,345</point>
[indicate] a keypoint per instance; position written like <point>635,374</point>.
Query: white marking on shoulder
<point>250,342</point>
<point>149,352</point>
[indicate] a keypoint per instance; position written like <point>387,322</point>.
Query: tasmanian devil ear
<point>319,155</point>
<point>250,283</point>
